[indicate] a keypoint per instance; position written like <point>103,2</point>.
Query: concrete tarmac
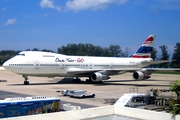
<point>110,89</point>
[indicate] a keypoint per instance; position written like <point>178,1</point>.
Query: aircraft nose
<point>6,65</point>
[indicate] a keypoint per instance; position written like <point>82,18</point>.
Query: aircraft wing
<point>79,71</point>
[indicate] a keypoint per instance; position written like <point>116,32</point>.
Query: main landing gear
<point>26,81</point>
<point>89,80</point>
<point>76,80</point>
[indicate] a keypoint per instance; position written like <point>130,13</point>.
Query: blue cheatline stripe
<point>144,49</point>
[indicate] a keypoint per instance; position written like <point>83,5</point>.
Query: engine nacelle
<point>97,77</point>
<point>140,75</point>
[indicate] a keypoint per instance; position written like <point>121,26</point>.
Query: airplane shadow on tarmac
<point>5,94</point>
<point>113,82</point>
<point>109,82</point>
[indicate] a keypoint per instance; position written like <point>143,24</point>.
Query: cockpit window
<point>20,54</point>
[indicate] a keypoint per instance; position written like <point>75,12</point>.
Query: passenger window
<point>20,54</point>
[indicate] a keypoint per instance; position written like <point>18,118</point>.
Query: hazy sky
<point>27,24</point>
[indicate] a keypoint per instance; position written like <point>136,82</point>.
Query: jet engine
<point>141,75</point>
<point>97,77</point>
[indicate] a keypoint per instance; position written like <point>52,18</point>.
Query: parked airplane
<point>44,64</point>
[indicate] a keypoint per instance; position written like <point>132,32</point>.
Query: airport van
<point>12,107</point>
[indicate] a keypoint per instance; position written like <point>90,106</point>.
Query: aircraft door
<point>90,65</point>
<point>137,64</point>
<point>62,66</point>
<point>36,65</point>
<point>111,65</point>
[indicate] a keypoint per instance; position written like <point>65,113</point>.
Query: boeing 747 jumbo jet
<point>44,64</point>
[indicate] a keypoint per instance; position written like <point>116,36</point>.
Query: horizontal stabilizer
<point>157,62</point>
<point>163,69</point>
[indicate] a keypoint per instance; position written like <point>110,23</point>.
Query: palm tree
<point>175,87</point>
<point>174,108</point>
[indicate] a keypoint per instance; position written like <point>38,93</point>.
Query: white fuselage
<point>31,63</point>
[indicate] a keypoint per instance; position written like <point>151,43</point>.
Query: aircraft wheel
<point>26,82</point>
<point>89,81</point>
<point>76,80</point>
<point>99,82</point>
<point>93,95</point>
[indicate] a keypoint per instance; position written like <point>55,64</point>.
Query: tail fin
<point>146,48</point>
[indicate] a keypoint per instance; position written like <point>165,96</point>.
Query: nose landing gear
<point>26,81</point>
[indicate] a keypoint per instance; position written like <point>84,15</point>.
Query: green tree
<point>154,57</point>
<point>176,56</point>
<point>173,108</point>
<point>175,87</point>
<point>98,51</point>
<point>35,49</point>
<point>90,50</point>
<point>77,49</point>
<point>81,49</point>
<point>28,50</point>
<point>164,56</point>
<point>154,54</point>
<point>63,50</point>
<point>126,52</point>
<point>7,54</point>
<point>45,50</point>
<point>114,51</point>
<point>70,49</point>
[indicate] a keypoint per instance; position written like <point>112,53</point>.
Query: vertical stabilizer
<point>146,48</point>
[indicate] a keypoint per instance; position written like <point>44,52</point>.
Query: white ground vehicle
<point>77,93</point>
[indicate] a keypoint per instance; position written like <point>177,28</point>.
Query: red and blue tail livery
<point>146,48</point>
